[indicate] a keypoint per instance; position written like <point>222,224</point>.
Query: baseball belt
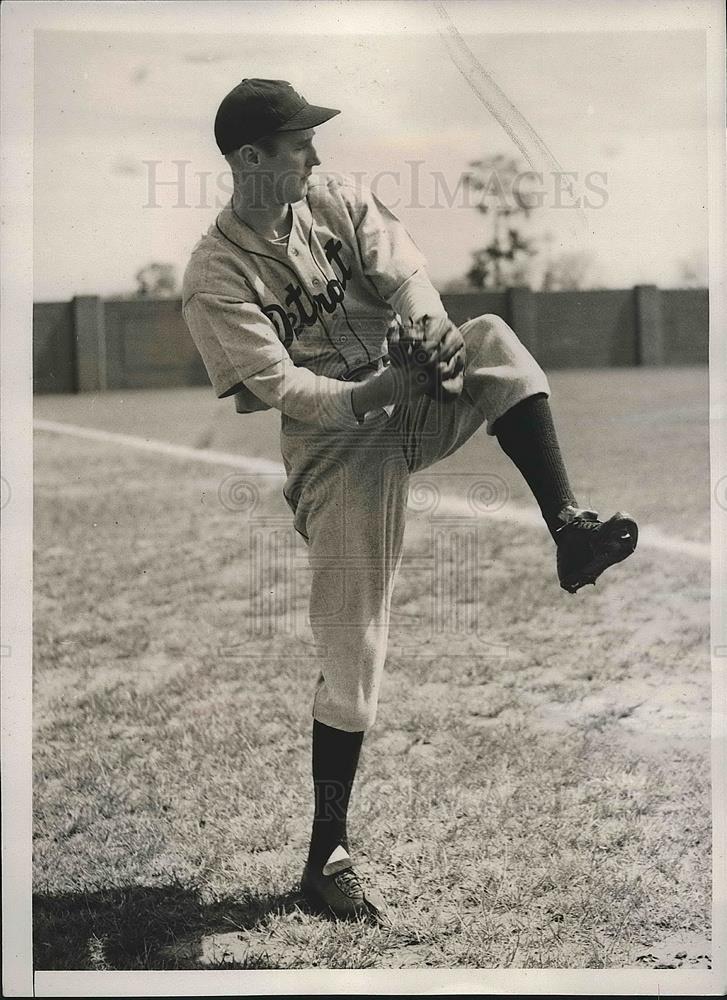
<point>363,371</point>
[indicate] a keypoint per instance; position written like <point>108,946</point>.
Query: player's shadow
<point>140,928</point>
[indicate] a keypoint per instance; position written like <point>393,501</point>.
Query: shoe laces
<point>583,524</point>
<point>348,882</point>
<point>584,520</point>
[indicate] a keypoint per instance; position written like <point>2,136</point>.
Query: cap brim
<point>308,117</point>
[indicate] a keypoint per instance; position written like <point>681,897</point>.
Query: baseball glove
<point>432,353</point>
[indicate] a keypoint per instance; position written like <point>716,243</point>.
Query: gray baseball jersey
<point>281,325</point>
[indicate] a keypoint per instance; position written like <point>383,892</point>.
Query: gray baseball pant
<point>348,490</point>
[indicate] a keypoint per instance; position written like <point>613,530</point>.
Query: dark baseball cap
<point>255,108</point>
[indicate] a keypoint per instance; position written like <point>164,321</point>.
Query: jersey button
<point>294,252</point>
<point>343,339</point>
<point>316,281</point>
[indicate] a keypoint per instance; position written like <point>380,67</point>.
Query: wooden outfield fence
<point>90,343</point>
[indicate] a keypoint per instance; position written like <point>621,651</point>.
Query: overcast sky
<point>115,110</point>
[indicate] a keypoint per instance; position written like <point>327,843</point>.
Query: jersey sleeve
<point>234,338</point>
<point>240,347</point>
<point>417,297</point>
<point>388,253</point>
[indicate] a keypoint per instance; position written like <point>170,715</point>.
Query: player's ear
<point>244,158</point>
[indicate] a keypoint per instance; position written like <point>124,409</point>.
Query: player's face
<point>291,165</point>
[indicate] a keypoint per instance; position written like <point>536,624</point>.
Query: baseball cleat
<point>587,546</point>
<point>337,891</point>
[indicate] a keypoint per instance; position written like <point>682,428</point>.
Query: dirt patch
<point>230,947</point>
<point>683,950</point>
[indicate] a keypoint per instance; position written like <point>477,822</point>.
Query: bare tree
<point>156,280</point>
<point>692,271</point>
<point>501,191</point>
<point>569,271</point>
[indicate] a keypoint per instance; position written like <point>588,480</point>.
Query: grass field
<point>536,790</point>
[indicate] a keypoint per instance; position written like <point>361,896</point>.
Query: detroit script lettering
<point>309,308</point>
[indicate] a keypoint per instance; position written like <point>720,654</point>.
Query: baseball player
<point>308,295</point>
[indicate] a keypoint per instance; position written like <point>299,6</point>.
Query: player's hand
<point>438,335</point>
<point>447,381</point>
<point>447,359</point>
<point>429,356</point>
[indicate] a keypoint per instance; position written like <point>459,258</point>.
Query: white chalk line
<point>241,462</point>
<point>650,536</point>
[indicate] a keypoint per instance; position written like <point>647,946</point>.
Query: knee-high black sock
<point>527,435</point>
<point>335,759</point>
